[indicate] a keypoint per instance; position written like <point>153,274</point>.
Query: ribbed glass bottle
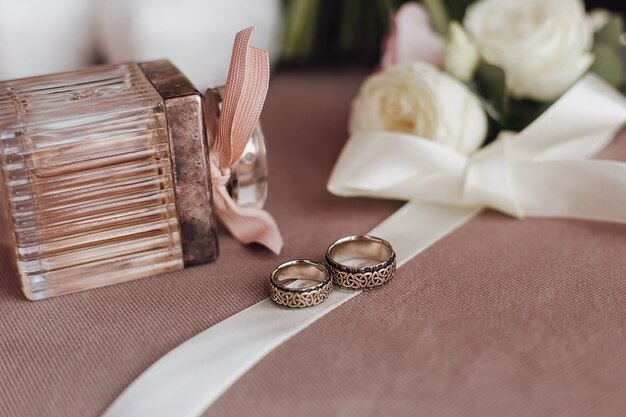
<point>87,177</point>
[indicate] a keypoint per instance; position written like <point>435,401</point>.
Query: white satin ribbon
<point>547,170</point>
<point>188,379</point>
<point>540,172</point>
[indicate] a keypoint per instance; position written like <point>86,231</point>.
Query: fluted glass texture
<point>87,179</point>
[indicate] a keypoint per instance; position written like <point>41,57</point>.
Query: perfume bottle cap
<point>189,154</point>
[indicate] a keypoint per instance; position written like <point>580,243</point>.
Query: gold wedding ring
<point>361,262</point>
<point>300,283</point>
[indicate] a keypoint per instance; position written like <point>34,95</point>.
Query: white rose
<point>421,100</point>
<point>543,46</point>
<point>461,56</point>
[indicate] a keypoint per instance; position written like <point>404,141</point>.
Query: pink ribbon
<point>244,95</point>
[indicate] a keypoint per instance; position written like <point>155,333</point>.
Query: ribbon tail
<point>580,189</point>
<point>246,224</point>
<point>578,125</point>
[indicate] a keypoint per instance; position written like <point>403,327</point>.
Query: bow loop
<point>244,96</point>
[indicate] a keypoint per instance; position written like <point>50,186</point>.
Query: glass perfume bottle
<point>105,176</point>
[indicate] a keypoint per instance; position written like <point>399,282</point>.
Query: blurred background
<point>43,36</point>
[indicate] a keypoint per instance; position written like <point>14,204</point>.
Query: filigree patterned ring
<point>300,283</point>
<point>361,262</point>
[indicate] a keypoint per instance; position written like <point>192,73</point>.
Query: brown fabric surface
<point>503,317</point>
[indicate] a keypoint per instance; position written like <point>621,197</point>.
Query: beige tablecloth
<point>502,318</point>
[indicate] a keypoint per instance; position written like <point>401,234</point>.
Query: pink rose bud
<point>412,38</point>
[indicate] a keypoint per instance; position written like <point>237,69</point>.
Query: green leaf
<point>490,83</point>
<point>521,113</point>
<point>351,16</point>
<point>608,64</point>
<point>438,15</point>
<point>611,31</point>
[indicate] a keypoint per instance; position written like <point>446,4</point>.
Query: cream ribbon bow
<point>244,95</point>
<point>541,171</point>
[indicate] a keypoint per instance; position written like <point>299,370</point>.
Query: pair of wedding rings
<point>353,262</point>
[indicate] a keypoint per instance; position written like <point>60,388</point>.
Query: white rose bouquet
<point>489,103</point>
<point>515,57</point>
